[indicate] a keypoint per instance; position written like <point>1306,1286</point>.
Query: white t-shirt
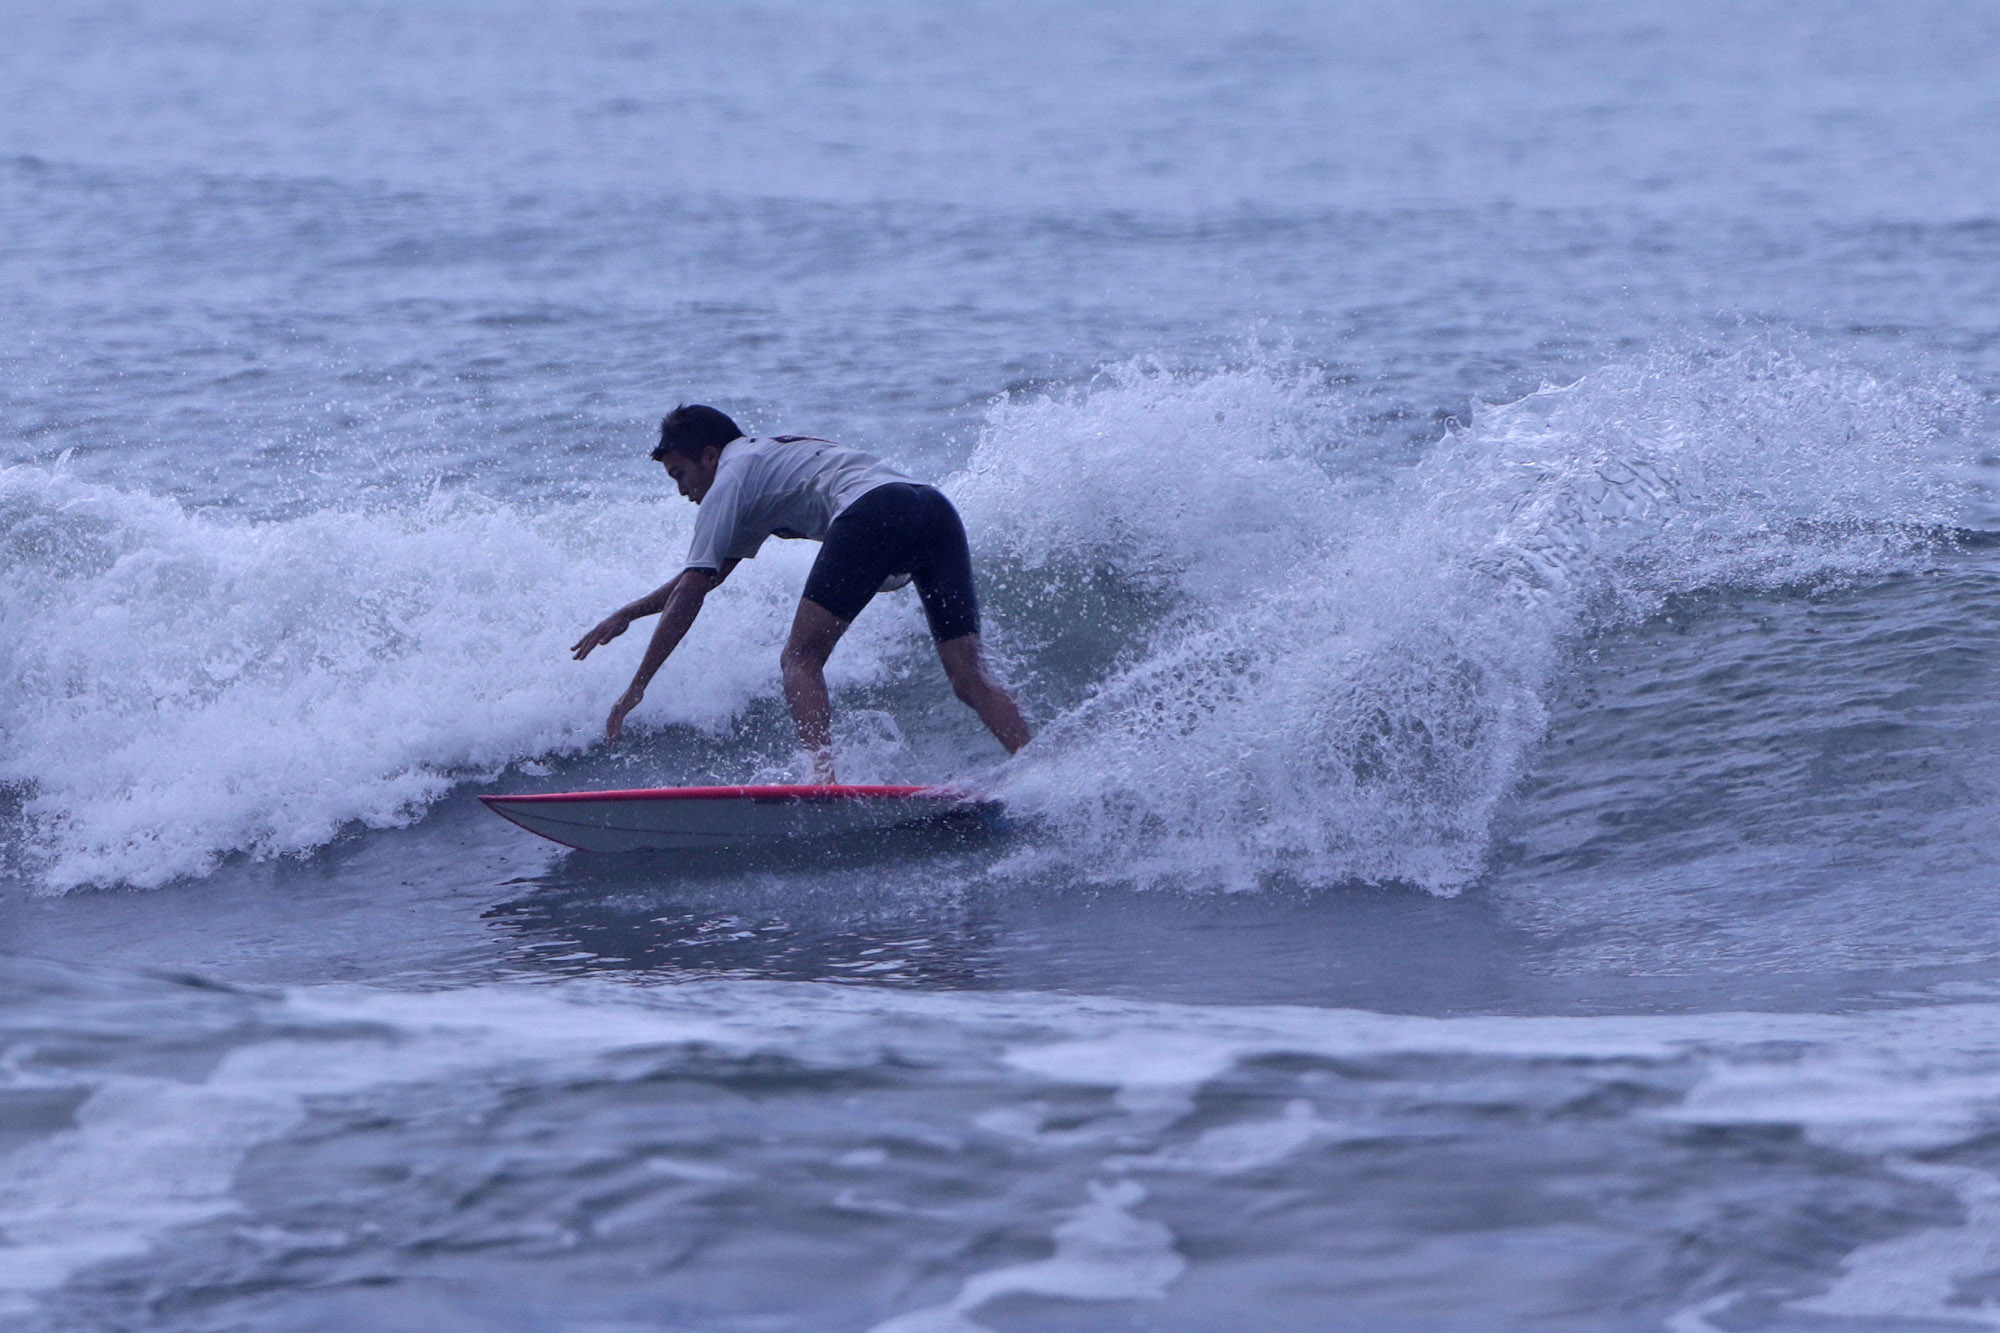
<point>784,486</point>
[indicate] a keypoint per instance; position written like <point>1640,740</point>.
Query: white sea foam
<point>184,686</point>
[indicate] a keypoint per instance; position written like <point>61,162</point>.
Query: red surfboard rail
<point>689,818</point>
<point>825,791</point>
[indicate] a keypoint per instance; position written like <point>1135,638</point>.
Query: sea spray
<point>1345,683</point>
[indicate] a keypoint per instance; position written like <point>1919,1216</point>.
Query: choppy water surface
<point>1491,508</point>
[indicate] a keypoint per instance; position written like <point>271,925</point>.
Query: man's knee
<point>966,667</point>
<point>969,680</point>
<point>803,657</point>
<point>815,632</point>
<point>970,686</point>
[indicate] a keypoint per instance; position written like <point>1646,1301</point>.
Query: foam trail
<point>152,1151</point>
<point>185,686</point>
<point>1345,682</point>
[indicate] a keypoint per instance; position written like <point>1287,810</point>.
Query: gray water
<point>1493,510</point>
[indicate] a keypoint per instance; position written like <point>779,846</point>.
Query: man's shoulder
<point>750,448</point>
<point>742,456</point>
<point>757,467</point>
<point>775,444</point>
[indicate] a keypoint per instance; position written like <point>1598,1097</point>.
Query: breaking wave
<point>1259,648</point>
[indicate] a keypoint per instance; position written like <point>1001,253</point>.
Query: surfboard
<point>690,818</point>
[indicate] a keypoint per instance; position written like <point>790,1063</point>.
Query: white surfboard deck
<point>690,818</point>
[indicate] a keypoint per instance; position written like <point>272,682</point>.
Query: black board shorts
<point>899,528</point>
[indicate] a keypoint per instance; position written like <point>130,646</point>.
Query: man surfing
<point>876,527</point>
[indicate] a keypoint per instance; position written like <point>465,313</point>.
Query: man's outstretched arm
<point>651,604</point>
<point>684,598</point>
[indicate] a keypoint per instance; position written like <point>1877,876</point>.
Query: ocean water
<point>1493,510</point>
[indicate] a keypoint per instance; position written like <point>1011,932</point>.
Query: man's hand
<point>677,604</point>
<point>606,630</point>
<point>626,703</point>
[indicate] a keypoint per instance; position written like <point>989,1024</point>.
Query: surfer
<point>877,529</point>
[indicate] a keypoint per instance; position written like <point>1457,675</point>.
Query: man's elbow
<point>689,593</point>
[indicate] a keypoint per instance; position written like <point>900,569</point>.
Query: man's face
<point>694,475</point>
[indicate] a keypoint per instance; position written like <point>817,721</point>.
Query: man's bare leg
<point>815,630</point>
<point>965,662</point>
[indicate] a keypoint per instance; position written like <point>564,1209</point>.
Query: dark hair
<point>691,428</point>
